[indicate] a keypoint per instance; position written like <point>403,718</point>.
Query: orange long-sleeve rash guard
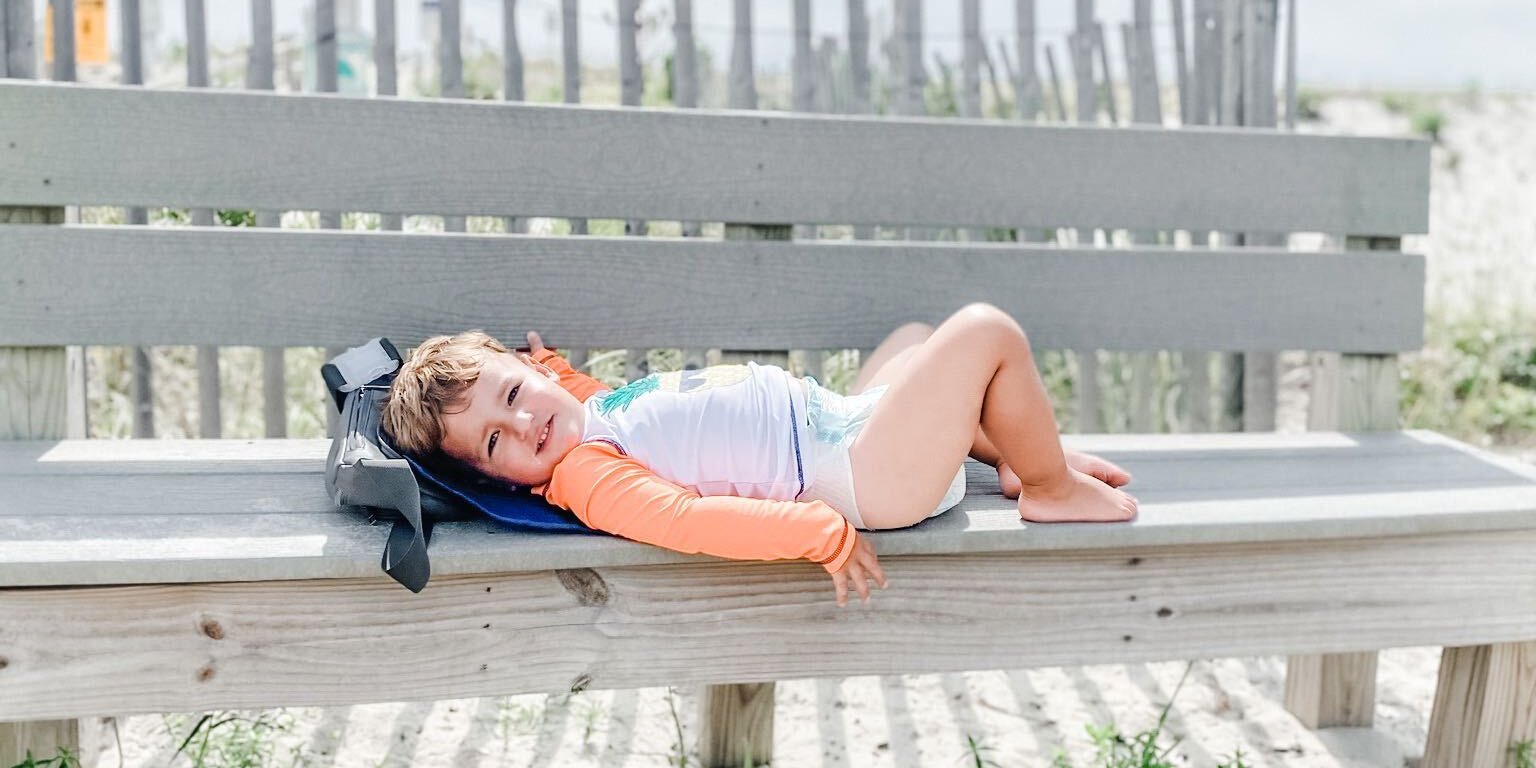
<point>612,492</point>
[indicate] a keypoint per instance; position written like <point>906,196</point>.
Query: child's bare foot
<point>1086,463</point>
<point>1077,498</point>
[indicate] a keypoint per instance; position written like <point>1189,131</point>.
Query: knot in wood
<point>205,674</point>
<point>1164,612</point>
<point>581,682</point>
<point>212,629</point>
<point>4,662</point>
<point>585,584</point>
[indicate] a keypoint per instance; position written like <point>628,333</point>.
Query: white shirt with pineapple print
<point>724,430</point>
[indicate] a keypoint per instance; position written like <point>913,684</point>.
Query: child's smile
<point>502,431</point>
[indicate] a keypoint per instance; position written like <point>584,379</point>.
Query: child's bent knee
<point>988,317</point>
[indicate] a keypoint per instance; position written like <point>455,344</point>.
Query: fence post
<point>33,384</point>
<point>631,86</point>
<point>1146,108</point>
<point>207,354</point>
<point>258,76</point>
<point>803,93</point>
<point>860,101</point>
<point>511,81</point>
<point>570,56</point>
<point>1261,390</point>
<point>1087,381</point>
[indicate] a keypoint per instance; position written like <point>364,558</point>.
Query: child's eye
<point>491,446</point>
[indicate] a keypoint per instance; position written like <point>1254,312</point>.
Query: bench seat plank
<point>111,512</point>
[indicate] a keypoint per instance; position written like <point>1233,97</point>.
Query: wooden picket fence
<point>1224,58</point>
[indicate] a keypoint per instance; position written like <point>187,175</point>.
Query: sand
<point>1481,249</point>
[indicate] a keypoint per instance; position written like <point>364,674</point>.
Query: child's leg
<point>976,368</point>
<point>894,352</point>
<point>903,338</point>
<point>885,364</point>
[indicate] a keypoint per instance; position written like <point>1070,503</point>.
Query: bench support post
<point>1483,706</point>
<point>736,724</point>
<point>35,386</point>
<point>1332,689</point>
<point>44,738</point>
<point>1350,393</point>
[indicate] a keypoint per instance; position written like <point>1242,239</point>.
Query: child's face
<point>509,405</point>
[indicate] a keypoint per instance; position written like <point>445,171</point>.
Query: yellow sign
<point>90,32</point>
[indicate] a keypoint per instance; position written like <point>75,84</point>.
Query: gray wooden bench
<point>168,575</point>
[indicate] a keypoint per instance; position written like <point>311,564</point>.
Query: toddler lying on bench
<point>748,462</point>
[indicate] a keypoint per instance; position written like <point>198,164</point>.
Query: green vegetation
<point>1114,750</point>
<point>1308,102</point>
<point>1397,103</point>
<point>1429,122</point>
<point>1475,379</point>
<point>230,740</point>
<point>939,95</point>
<point>1472,95</point>
<point>234,218</point>
<point>62,759</point>
<point>1523,753</point>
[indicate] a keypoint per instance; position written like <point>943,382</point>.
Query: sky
<point>1366,44</point>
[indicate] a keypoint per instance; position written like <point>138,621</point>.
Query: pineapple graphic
<point>697,380</point>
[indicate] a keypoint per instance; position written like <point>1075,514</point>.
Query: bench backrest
<point>66,144</point>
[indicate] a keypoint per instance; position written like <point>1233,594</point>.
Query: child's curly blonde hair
<point>437,375</point>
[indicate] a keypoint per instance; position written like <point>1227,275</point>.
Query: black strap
<point>405,554</point>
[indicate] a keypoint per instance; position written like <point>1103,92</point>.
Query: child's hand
<point>535,343</point>
<point>862,565</point>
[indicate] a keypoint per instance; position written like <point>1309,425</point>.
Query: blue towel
<point>518,509</point>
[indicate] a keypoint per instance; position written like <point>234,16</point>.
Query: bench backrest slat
<point>321,152</point>
<point>152,285</point>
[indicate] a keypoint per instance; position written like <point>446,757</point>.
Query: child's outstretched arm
<point>613,492</point>
<point>573,381</point>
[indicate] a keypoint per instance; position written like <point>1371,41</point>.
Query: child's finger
<point>840,581</point>
<point>534,340</point>
<point>860,579</point>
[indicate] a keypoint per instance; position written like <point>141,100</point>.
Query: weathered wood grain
<point>259,76</point>
<point>1181,63</point>
<point>20,50</point>
<point>1483,705</point>
<point>5,39</point>
<point>231,510</point>
<point>1349,392</point>
<point>191,647</point>
<point>570,57</point>
<point>631,81</point>
<point>208,390</point>
<point>743,88</point>
<point>105,285</point>
<point>63,40</point>
<point>759,168</point>
<point>38,391</point>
